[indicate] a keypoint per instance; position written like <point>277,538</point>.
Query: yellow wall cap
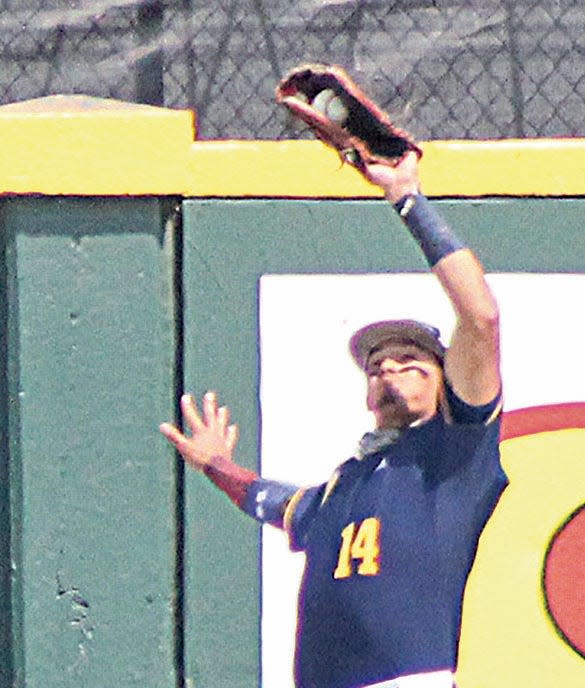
<point>448,168</point>
<point>90,146</point>
<point>79,145</point>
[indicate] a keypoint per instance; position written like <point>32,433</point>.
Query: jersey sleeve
<point>469,444</point>
<point>267,500</point>
<point>460,412</point>
<point>299,514</point>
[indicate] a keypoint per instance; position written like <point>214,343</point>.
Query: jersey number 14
<point>360,543</point>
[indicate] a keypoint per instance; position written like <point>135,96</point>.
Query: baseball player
<point>390,539</point>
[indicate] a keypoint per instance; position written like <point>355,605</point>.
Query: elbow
<point>482,317</point>
<point>486,320</point>
<point>489,314</point>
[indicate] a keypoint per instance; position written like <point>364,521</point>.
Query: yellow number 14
<point>362,543</point>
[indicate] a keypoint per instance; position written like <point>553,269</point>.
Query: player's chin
<point>385,398</point>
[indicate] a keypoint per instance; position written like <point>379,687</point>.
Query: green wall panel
<point>6,639</point>
<point>91,352</point>
<point>228,245</point>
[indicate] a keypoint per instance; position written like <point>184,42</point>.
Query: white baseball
<point>337,110</point>
<point>321,100</point>
<point>330,104</point>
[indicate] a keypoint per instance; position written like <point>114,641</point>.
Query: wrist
<point>428,227</point>
<point>231,478</point>
<point>397,195</point>
<point>405,203</point>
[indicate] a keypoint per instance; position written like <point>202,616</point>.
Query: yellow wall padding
<point>78,145</point>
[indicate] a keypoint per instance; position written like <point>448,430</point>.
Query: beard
<point>389,403</point>
<point>390,396</point>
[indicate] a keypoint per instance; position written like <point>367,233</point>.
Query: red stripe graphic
<point>529,421</point>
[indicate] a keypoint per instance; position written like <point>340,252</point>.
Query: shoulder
<point>458,412</point>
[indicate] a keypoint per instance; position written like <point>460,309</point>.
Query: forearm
<point>472,361</point>
<point>456,267</point>
<point>232,479</point>
<point>264,500</point>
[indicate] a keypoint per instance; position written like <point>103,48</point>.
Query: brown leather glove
<point>342,116</point>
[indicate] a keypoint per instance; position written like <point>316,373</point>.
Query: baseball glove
<point>342,116</point>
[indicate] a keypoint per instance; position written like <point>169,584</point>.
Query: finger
<point>223,417</point>
<point>232,436</point>
<point>190,413</point>
<point>210,408</point>
<point>173,434</point>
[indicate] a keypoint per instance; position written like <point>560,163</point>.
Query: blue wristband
<point>430,230</point>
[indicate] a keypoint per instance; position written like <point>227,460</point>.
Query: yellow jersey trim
<point>290,510</point>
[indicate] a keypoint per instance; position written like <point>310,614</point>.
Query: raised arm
<point>209,448</point>
<point>472,363</point>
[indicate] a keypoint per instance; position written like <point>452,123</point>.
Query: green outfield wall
<point>228,246</point>
<point>131,259</point>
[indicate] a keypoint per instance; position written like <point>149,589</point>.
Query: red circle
<point>564,580</point>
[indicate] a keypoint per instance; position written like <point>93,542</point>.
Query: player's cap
<point>371,337</point>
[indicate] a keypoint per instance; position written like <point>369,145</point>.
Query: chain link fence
<point>469,69</point>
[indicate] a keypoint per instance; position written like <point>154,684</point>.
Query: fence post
<point>149,67</point>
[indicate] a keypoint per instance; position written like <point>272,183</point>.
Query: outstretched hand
<point>211,434</point>
<point>397,181</point>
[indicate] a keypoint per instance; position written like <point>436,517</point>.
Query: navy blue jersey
<point>389,545</point>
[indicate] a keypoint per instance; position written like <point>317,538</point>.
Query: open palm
<point>211,435</point>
